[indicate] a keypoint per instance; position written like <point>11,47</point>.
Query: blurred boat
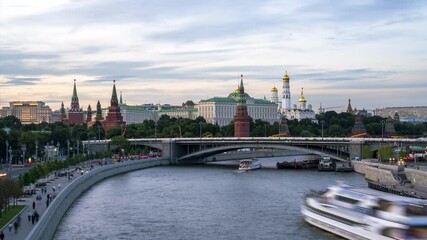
<point>355,213</point>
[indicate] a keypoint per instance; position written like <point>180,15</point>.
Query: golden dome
<point>286,77</point>
<point>302,98</point>
<point>274,89</point>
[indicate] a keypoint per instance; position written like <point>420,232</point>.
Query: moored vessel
<point>326,164</point>
<point>301,164</point>
<point>355,213</point>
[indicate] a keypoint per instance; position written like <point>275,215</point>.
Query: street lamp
<point>23,148</point>
<point>7,153</point>
<point>322,122</point>
<point>265,130</point>
<point>68,148</point>
<point>382,130</point>
<point>99,132</point>
<point>37,151</point>
<point>155,130</point>
<point>57,153</point>
<point>200,129</point>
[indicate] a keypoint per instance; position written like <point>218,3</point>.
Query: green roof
<point>178,110</point>
<point>262,101</point>
<point>219,99</point>
<point>230,99</point>
<point>135,108</point>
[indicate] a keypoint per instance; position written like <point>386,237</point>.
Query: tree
<point>119,143</point>
<point>367,152</point>
<point>385,152</point>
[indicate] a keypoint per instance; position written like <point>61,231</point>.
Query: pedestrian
<point>47,202</point>
<point>29,215</point>
<point>9,227</point>
<point>19,218</point>
<point>33,218</point>
<point>59,186</point>
<point>16,226</point>
<point>1,235</point>
<point>34,204</point>
<point>36,215</point>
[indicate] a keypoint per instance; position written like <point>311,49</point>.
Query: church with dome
<point>298,112</point>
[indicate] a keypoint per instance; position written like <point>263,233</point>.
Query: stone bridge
<point>196,150</point>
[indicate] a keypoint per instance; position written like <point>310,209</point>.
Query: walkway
<point>26,226</point>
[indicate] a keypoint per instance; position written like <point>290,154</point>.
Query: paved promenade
<point>26,226</point>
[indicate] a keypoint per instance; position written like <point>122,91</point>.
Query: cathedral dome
<point>274,89</point>
<point>302,98</point>
<point>286,77</point>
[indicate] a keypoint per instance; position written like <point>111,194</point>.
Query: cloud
<point>19,81</point>
<point>170,51</point>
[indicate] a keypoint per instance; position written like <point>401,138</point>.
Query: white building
<point>221,110</point>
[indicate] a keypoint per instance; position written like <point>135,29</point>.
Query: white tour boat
<point>355,213</point>
<point>249,164</point>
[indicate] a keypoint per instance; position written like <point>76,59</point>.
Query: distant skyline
<point>374,52</point>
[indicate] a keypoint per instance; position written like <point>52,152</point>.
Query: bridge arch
<point>196,156</point>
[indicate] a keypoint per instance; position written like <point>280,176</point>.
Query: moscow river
<point>199,202</point>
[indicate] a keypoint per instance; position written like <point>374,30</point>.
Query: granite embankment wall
<point>46,227</point>
<point>375,171</point>
<point>417,177</point>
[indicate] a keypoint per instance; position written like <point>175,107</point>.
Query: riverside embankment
<point>48,223</point>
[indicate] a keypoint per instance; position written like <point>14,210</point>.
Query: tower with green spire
<point>75,114</point>
<point>114,118</point>
<point>241,116</point>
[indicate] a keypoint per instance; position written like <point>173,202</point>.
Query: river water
<point>199,202</point>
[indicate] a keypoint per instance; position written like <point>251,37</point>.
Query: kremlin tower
<point>358,129</point>
<point>389,129</point>
<point>75,114</point>
<point>286,99</point>
<point>349,108</point>
<point>63,115</point>
<point>89,114</point>
<point>114,117</point>
<point>98,116</point>
<point>241,117</point>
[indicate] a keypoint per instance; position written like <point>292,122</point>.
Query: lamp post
<point>322,122</point>
<point>57,152</point>
<point>265,130</point>
<point>155,130</point>
<point>37,151</point>
<point>200,129</point>
<point>10,163</point>
<point>23,148</point>
<point>99,132</point>
<point>7,153</point>
<point>382,130</point>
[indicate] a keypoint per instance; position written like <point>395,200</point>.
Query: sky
<point>168,52</point>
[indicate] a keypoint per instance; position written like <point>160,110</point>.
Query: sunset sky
<point>374,52</point>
